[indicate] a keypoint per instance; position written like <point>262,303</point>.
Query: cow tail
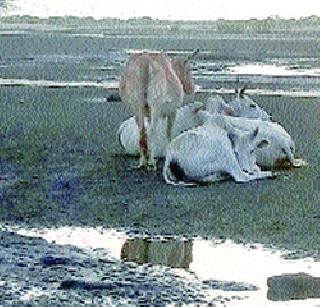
<point>118,135</point>
<point>168,175</point>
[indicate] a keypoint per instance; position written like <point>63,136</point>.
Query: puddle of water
<point>272,70</point>
<point>252,265</point>
<point>109,68</point>
<point>94,35</point>
<point>114,85</point>
<point>171,53</point>
<point>229,269</point>
<point>59,84</point>
<point>264,92</point>
<point>85,238</point>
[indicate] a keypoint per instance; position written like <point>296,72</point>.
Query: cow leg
<point>298,162</point>
<point>217,176</point>
<point>143,144</point>
<point>170,122</point>
<point>264,174</point>
<point>240,176</point>
<point>152,163</point>
<point>244,177</point>
<point>232,167</point>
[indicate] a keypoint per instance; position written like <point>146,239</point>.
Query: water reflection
<point>257,276</point>
<point>171,253</point>
<point>297,286</point>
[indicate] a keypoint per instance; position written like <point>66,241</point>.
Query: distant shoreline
<point>271,25</point>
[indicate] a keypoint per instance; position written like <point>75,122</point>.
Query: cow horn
<point>194,53</point>
<point>255,133</point>
<point>243,89</point>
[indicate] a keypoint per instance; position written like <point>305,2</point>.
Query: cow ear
<point>198,106</point>
<point>203,116</point>
<point>232,137</point>
<point>228,110</point>
<point>262,144</point>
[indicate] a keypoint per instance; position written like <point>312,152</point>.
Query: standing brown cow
<point>154,86</point>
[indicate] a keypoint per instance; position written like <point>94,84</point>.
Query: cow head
<point>182,70</point>
<point>197,106</point>
<point>205,117</point>
<point>244,145</point>
<point>244,106</point>
<point>286,158</point>
<point>196,109</point>
<point>188,116</point>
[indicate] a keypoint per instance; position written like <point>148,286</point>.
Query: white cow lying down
<point>244,106</point>
<point>280,151</point>
<point>186,118</point>
<point>213,152</point>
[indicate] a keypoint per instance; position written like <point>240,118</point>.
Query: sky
<point>168,9</point>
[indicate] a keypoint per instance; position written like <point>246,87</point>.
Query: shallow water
<point>273,76</point>
<point>228,269</point>
<point>273,70</point>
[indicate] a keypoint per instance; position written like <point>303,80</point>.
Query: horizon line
<point>146,17</point>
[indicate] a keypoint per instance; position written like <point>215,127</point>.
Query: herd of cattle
<point>201,141</point>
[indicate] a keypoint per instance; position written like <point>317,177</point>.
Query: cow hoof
<point>299,163</point>
<point>140,166</point>
<point>151,167</point>
<point>273,176</point>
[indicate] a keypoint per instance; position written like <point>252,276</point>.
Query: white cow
<point>186,118</point>
<point>153,86</point>
<point>281,149</point>
<point>279,153</point>
<point>213,152</point>
<point>244,106</point>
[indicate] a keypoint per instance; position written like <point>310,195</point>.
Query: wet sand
<point>59,146</point>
